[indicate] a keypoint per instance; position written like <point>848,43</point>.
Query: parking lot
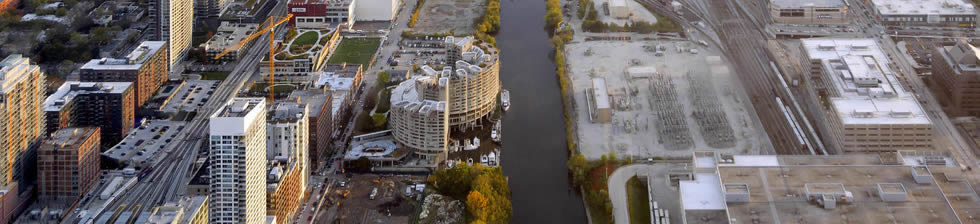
<point>190,96</point>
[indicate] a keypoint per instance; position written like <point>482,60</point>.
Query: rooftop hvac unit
<point>933,160</point>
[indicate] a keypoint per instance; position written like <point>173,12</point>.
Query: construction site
<point>659,99</point>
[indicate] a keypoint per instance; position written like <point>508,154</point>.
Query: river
<point>534,149</point>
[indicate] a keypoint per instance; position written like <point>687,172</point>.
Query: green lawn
<point>308,37</point>
<point>639,205</point>
<point>214,75</point>
<point>355,51</point>
<point>305,39</point>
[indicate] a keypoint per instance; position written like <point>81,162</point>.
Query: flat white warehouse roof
<point>867,90</point>
<point>922,7</point>
<point>806,3</point>
<point>702,193</point>
<point>617,3</point>
<point>601,94</point>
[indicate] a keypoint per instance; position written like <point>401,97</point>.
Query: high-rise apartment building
<point>173,21</point>
<point>321,121</point>
<point>146,67</point>
<point>238,161</point>
<point>289,170</point>
<point>956,71</point>
<point>21,117</point>
<point>108,105</point>
<point>866,106</point>
<point>68,164</point>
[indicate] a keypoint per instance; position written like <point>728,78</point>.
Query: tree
<point>476,203</point>
<point>613,159</point>
<point>370,99</point>
<point>66,67</point>
<point>578,166</point>
<point>383,79</point>
<point>379,120</point>
<point>101,34</point>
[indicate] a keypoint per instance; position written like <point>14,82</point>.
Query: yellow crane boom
<point>254,35</point>
<point>272,24</point>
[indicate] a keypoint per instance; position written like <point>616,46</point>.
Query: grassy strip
<point>415,13</point>
<point>355,51</point>
<point>214,75</point>
<point>639,203</point>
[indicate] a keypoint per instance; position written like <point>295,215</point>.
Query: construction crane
<point>272,50</point>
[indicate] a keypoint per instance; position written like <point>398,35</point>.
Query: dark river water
<point>534,151</point>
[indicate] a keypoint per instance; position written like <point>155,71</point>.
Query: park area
<point>355,51</point>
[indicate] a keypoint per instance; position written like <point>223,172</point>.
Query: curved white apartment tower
<point>426,106</point>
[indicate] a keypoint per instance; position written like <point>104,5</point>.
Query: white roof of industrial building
<point>702,193</point>
<point>615,3</point>
<point>601,94</point>
<point>922,7</point>
<point>806,3</point>
<point>867,90</point>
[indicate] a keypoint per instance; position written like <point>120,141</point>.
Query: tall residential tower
<point>21,115</point>
<point>238,160</point>
<point>174,22</point>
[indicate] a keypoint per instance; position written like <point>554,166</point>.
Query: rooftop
<point>190,96</point>
<point>867,91</point>
<point>315,98</point>
<point>777,195</point>
<point>343,70</point>
<point>229,34</point>
<point>286,111</point>
<point>70,136</point>
<point>406,95</point>
<point>144,144</point>
<point>71,89</point>
<point>13,70</point>
<point>922,7</point>
<point>191,204</point>
<point>778,188</point>
<point>237,116</point>
<point>239,107</point>
<point>133,61</point>
<point>601,95</point>
<point>806,3</point>
<point>702,193</point>
<point>964,57</point>
<point>335,81</point>
<point>166,214</point>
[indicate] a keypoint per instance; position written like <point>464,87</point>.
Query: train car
<point>145,172</point>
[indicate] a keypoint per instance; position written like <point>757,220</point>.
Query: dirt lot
<point>390,205</point>
<point>440,16</point>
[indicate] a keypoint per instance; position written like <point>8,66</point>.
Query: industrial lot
<point>784,111</point>
<point>394,111</point>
